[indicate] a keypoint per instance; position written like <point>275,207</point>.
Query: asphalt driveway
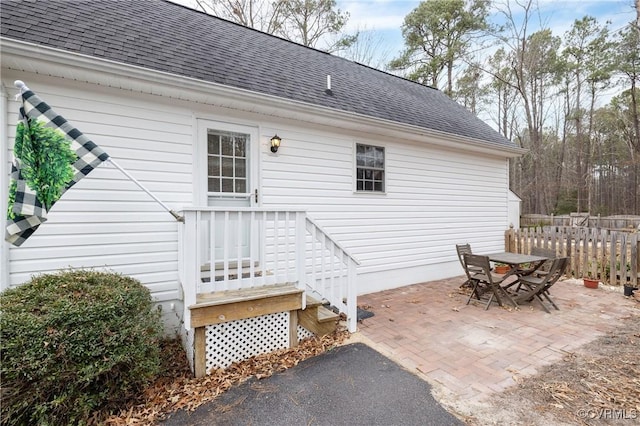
<point>349,385</point>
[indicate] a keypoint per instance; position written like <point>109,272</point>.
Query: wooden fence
<point>623,222</point>
<point>610,256</point>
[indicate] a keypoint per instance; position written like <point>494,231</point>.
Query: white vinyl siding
<point>435,199</point>
<point>105,221</point>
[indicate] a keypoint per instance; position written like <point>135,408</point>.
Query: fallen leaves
<point>177,389</point>
<point>603,375</point>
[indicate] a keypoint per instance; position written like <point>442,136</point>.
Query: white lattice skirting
<point>303,333</point>
<point>238,340</point>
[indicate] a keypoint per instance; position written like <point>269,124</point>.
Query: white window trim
<point>355,169</point>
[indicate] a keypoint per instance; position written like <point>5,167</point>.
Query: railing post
<point>352,296</point>
<point>225,248</point>
<point>287,249</point>
<point>276,245</point>
<point>301,253</point>
<point>262,255</point>
<point>239,248</point>
<point>190,263</point>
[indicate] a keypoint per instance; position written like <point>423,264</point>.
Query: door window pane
<point>240,168</point>
<point>214,166</point>
<point>227,185</point>
<point>227,145</point>
<point>227,167</point>
<point>214,185</point>
<point>227,162</point>
<point>240,146</point>
<point>241,185</point>
<point>213,144</point>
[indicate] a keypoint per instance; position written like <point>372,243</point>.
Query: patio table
<point>514,260</point>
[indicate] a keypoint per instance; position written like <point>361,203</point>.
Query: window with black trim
<point>369,168</point>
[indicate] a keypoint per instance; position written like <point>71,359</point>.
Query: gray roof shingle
<point>164,36</point>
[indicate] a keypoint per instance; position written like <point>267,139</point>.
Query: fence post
<point>613,260</point>
<point>509,240</point>
<point>635,259</point>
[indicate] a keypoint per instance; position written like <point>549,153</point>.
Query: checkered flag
<point>50,156</point>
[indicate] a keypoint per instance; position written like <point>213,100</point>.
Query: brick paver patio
<point>468,353</point>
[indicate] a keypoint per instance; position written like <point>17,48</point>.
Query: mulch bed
<point>177,389</point>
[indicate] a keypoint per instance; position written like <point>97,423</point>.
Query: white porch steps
<point>221,307</point>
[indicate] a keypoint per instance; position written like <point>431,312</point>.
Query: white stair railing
<point>331,272</point>
<point>237,248</point>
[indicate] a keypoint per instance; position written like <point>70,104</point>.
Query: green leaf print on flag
<point>47,160</point>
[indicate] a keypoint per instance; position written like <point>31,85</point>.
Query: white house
<point>375,180</point>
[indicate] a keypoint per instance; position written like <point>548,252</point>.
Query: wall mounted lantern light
<point>275,143</point>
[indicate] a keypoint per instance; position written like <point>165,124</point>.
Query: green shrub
<point>74,342</point>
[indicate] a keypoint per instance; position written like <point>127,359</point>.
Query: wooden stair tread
<point>326,314</point>
<point>312,302</point>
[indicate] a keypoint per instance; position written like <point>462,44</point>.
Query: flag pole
<point>173,213</point>
<point>23,88</point>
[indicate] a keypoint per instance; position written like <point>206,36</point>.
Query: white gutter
<point>191,89</point>
<point>4,185</point>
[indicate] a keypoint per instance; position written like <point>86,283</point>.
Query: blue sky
<point>386,16</point>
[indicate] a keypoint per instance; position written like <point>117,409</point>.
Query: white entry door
<point>229,154</point>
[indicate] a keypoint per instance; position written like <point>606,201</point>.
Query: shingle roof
<point>164,36</point>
